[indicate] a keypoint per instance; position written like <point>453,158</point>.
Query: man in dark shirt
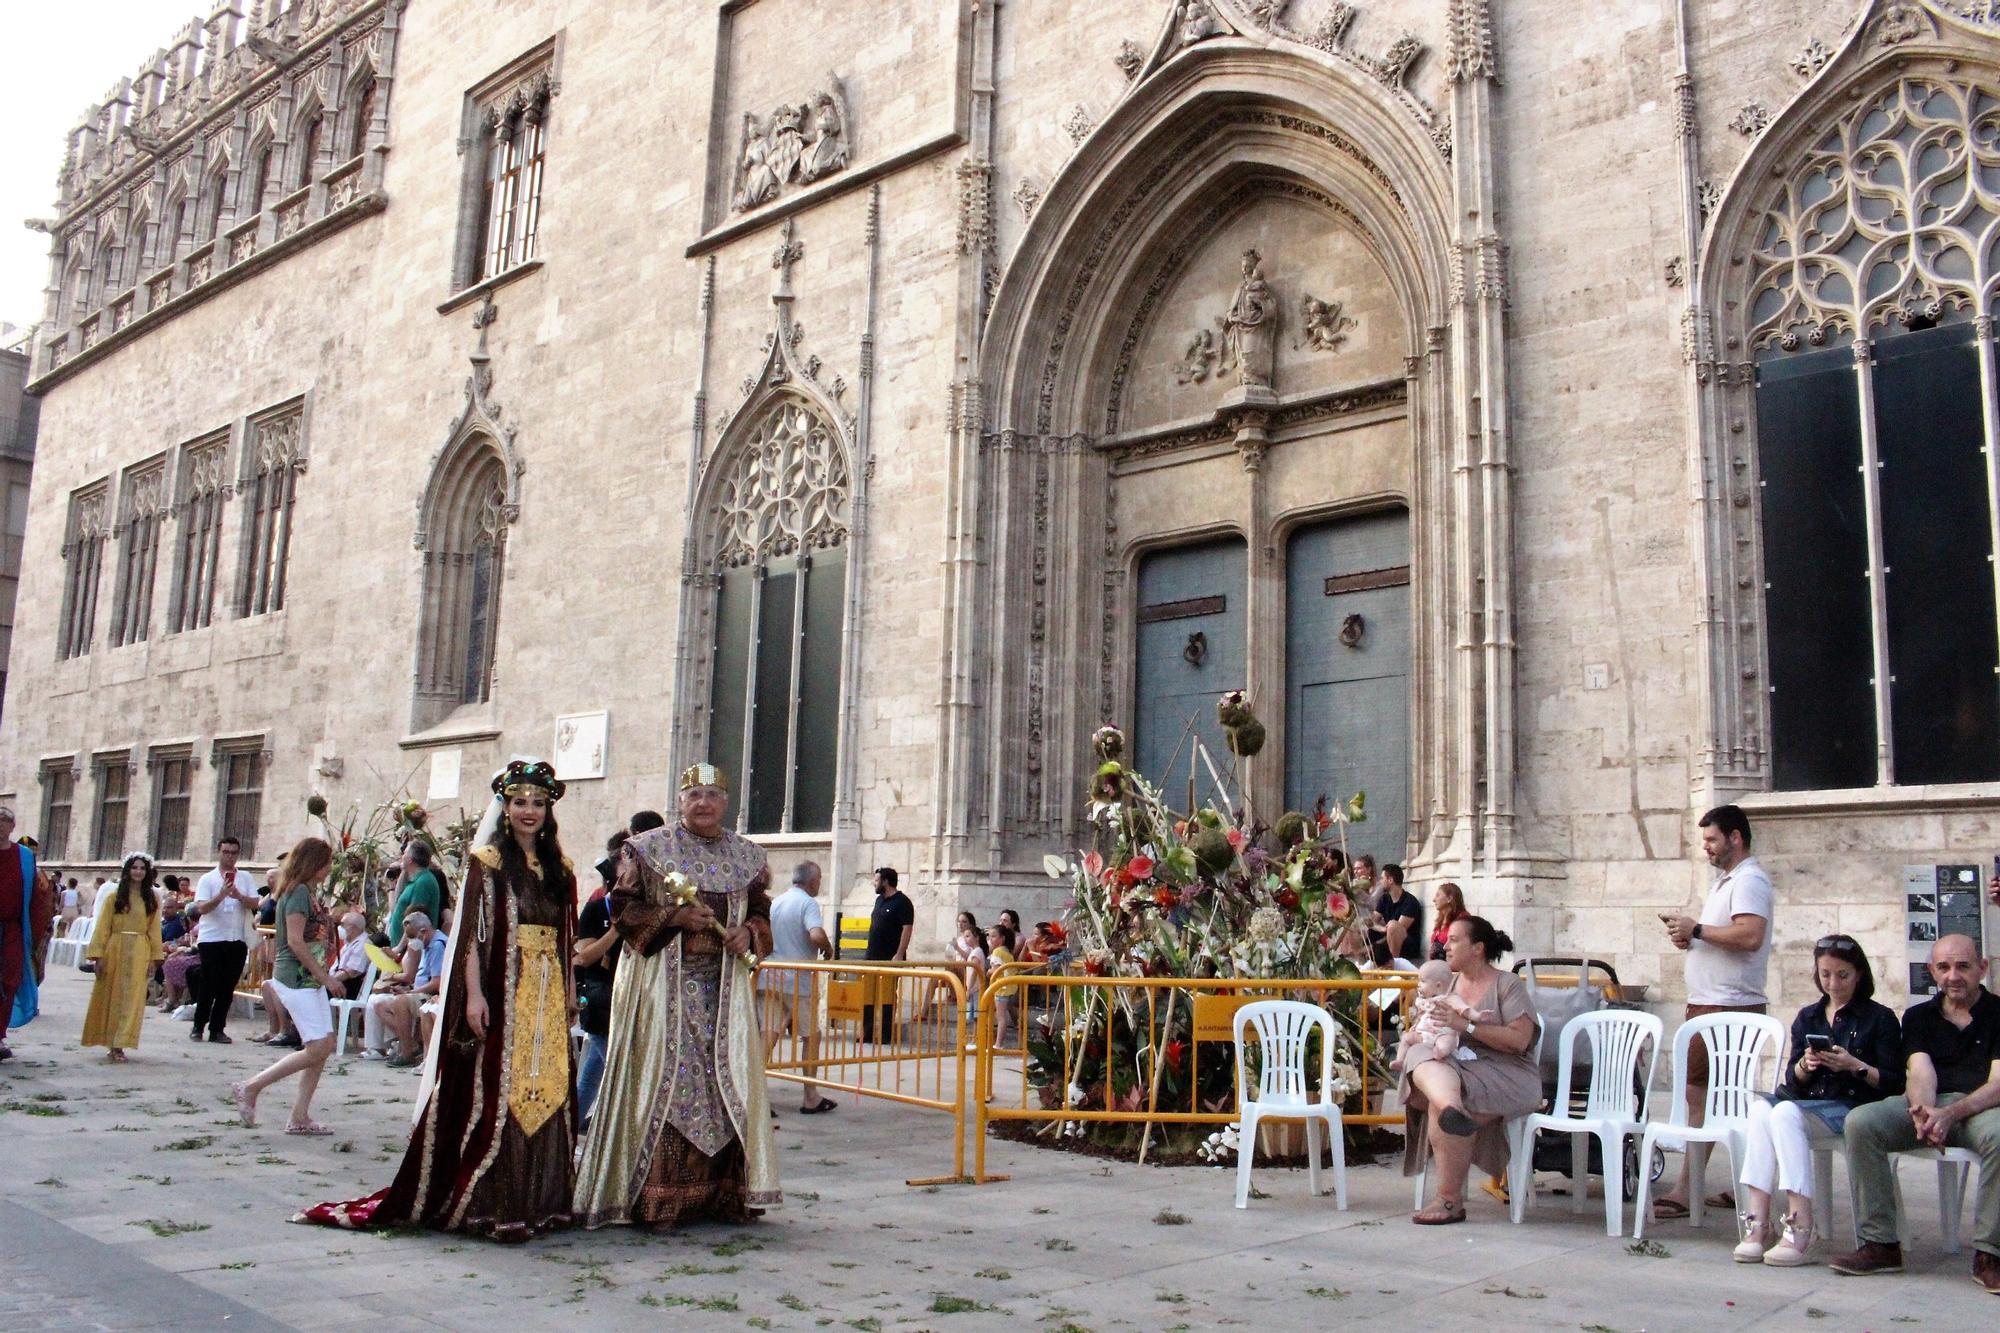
<point>596,960</point>
<point>1398,929</point>
<point>1952,1099</point>
<point>889,928</point>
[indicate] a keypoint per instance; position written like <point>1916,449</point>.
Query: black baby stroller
<point>1563,988</point>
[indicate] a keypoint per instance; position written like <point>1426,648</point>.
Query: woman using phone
<point>1847,1050</point>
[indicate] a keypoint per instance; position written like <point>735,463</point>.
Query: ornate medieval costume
<point>27,903</point>
<point>682,1126</point>
<point>494,1148</point>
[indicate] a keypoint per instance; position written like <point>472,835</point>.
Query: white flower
<point>1076,1095</point>
<point>1266,925</point>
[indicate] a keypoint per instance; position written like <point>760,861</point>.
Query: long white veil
<point>489,824</point>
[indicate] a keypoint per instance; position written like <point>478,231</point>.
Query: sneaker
<point>370,1053</point>
<point>1756,1238</point>
<point>1794,1249</point>
<point>1872,1258</point>
<point>1986,1271</point>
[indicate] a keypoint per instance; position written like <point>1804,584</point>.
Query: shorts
<point>1698,1050</point>
<point>311,1014</point>
<point>791,1011</point>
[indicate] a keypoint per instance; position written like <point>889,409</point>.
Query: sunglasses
<point>1839,943</point>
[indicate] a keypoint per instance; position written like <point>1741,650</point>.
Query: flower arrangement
<point>363,847</point>
<point>1198,894</point>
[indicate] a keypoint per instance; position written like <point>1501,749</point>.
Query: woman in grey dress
<point>1454,1109</point>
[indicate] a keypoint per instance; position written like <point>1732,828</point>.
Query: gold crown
<point>703,775</point>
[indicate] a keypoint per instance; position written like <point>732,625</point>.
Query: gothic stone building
<point>1559,418</point>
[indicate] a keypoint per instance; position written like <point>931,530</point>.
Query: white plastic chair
<point>1614,1108</point>
<point>1514,1128</point>
<point>1954,1165</point>
<point>68,951</point>
<point>1736,1046</point>
<point>1284,1028</point>
<point>344,1009</point>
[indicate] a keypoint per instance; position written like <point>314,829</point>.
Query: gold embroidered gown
<point>494,1149</point>
<point>125,945</point>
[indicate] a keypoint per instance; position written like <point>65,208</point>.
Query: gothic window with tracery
<point>204,476</point>
<point>143,511</point>
<point>306,142</point>
<point>83,558</point>
<point>779,524</point>
<point>58,800</point>
<point>277,457</point>
<point>250,201</point>
<point>1872,275</point>
<point>515,140</point>
<point>464,553</point>
<point>360,116</point>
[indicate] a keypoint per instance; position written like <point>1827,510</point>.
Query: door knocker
<point>1196,650</point>
<point>1351,630</point>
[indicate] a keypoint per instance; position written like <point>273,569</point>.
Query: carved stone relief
<point>1323,327</point>
<point>787,489</point>
<point>1197,22</point>
<point>1026,196</point>
<point>1752,120</point>
<point>1129,59</point>
<point>795,145</point>
<point>1812,59</point>
<point>1078,123</point>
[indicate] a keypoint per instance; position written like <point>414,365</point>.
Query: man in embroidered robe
<point>682,1126</point>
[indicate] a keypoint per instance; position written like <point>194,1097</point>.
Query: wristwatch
<point>1695,934</point>
<point>1470,1027</point>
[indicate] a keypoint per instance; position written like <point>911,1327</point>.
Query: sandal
<point>115,1057</point>
<point>1440,1214</point>
<point>310,1129</point>
<point>1669,1210</point>
<point>246,1106</point>
<point>820,1107</point>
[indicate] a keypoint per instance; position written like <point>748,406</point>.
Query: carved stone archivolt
<point>794,145</point>
<point>479,428</point>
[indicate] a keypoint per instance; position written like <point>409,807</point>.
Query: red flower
<point>1166,898</point>
<point>346,840</point>
<point>1093,968</point>
<point>1177,1055</point>
<point>1139,867</point>
<point>1288,899</point>
<point>1180,828</point>
<point>1093,864</point>
<point>1325,822</point>
<point>1235,836</point>
<point>1336,904</point>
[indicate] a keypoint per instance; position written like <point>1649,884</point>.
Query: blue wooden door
<point>1191,629</point>
<point>1347,673</point>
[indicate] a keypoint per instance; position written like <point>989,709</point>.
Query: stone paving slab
<point>94,1153</point>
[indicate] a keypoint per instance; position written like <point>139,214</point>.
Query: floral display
<point>1206,893</point>
<point>363,848</point>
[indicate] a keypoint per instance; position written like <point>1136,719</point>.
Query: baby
<point>1428,1038</point>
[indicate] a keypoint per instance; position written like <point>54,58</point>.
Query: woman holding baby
<point>1476,1070</point>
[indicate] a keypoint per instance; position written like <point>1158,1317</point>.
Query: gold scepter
<point>681,889</point>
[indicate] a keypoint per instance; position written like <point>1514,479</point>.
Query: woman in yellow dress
<point>125,943</point>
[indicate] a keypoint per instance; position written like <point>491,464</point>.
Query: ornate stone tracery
<point>1894,214</point>
<point>785,489</point>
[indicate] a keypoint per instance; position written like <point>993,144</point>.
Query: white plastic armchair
<point>68,951</point>
<point>1737,1044</point>
<point>1519,1145</point>
<point>1624,1050</point>
<point>345,1009</point>
<point>1284,1031</point>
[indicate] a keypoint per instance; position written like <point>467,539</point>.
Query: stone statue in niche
<point>1250,329</point>
<point>796,144</point>
<point>1323,324</point>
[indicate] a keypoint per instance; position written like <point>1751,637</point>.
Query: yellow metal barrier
<point>1210,1006</point>
<point>852,940</point>
<point>893,1031</point>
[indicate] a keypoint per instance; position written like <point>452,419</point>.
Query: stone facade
<point>1052,291</point>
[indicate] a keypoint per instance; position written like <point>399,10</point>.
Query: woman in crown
<point>682,1125</point>
<point>494,1147</point>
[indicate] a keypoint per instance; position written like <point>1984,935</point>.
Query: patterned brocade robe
<point>682,1125</point>
<point>494,1145</point>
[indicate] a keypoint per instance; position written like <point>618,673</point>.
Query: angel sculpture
<point>759,182</point>
<point>828,153</point>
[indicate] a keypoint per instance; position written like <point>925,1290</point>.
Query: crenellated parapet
<point>251,134</point>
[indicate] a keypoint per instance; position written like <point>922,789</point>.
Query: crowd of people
<point>660,1114</point>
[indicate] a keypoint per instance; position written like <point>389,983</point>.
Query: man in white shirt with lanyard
<point>1728,953</point>
<point>225,906</point>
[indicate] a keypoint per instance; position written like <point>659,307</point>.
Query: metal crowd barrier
<point>1209,1009</point>
<point>894,1031</point>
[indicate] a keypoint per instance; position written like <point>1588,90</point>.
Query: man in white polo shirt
<point>1728,952</point>
<point>225,905</point>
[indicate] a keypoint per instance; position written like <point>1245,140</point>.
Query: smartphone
<point>1818,1041</point>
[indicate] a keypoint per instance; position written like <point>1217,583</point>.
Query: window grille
<point>58,797</point>
<point>144,502</point>
<point>83,555</point>
<point>112,776</point>
<point>277,457</point>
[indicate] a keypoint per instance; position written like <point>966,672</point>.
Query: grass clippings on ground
<point>1328,1293</point>
<point>1531,1294</point>
<point>164,1229</point>
<point>1167,1217</point>
<point>995,1275</point>
<point>942,1303</point>
<point>1648,1249</point>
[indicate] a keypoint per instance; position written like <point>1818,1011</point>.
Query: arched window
<point>778,523</point>
<point>170,232</point>
<point>103,272</point>
<point>250,200</point>
<point>135,253</point>
<point>361,114</point>
<point>464,544</point>
<point>1871,265</point>
<point>218,201</point>
<point>306,142</point>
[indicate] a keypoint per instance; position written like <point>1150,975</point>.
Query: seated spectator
<point>1951,1099</point>
<point>404,1013</point>
<point>1396,923</point>
<point>181,958</point>
<point>1847,1051</point>
<point>350,964</point>
<point>389,987</point>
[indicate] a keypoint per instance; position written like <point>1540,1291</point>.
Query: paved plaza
<point>133,1201</point>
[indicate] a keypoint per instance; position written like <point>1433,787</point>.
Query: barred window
<point>204,470</point>
<point>277,456</point>
<point>173,785</point>
<point>144,504</point>
<point>58,795</point>
<point>240,768</point>
<point>83,556</point>
<point>112,776</point>
<point>506,132</point>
